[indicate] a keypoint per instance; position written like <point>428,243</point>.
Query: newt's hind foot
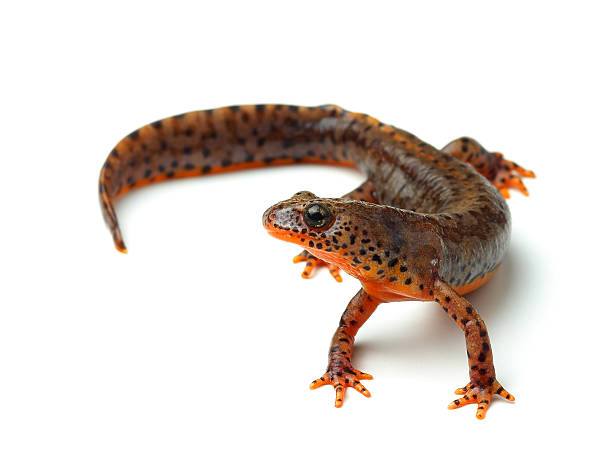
<point>341,379</point>
<point>503,174</point>
<point>482,395</point>
<point>312,262</point>
<point>506,174</point>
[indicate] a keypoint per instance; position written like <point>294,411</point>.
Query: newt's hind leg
<point>502,173</point>
<point>483,383</point>
<point>364,192</point>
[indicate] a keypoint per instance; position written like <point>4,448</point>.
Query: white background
<point>203,340</point>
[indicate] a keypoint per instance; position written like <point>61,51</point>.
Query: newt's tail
<point>221,140</point>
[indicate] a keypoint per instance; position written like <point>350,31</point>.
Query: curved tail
<point>223,140</point>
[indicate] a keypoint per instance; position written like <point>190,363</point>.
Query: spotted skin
<point>502,173</point>
<point>364,192</point>
<point>426,225</point>
<point>340,372</point>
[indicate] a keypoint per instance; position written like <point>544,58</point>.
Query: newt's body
<point>426,225</point>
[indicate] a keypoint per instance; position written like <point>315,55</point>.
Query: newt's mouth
<point>288,236</point>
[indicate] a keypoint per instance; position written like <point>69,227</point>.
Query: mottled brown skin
<point>424,226</point>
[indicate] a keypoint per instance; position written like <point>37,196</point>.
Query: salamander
<point>426,225</point>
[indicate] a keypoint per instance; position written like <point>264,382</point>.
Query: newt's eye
<point>317,216</point>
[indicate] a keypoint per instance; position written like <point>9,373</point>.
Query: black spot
<point>226,162</point>
<point>205,169</point>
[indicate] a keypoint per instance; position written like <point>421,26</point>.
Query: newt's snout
<point>287,215</point>
<point>280,218</point>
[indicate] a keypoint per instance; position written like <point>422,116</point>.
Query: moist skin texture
<point>426,225</point>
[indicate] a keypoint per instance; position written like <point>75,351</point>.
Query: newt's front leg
<point>340,372</point>
<point>483,384</point>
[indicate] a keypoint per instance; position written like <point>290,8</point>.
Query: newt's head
<point>305,220</point>
<point>338,231</point>
<point>368,241</point>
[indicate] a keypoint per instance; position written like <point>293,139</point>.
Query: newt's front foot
<point>473,393</point>
<point>341,379</point>
<point>312,262</point>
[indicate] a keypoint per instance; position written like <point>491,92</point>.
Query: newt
<point>426,225</point>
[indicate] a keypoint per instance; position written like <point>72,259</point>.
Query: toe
<point>322,381</point>
<point>505,394</point>
<point>361,375</point>
<point>461,391</point>
<point>335,272</point>
<point>465,400</point>
<point>339,395</point>
<point>483,405</point>
<point>361,388</point>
